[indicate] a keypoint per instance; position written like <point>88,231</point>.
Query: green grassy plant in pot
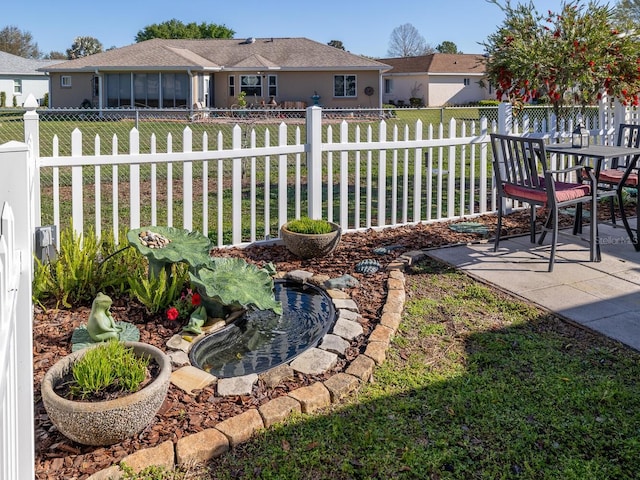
<point>103,394</point>
<point>309,238</point>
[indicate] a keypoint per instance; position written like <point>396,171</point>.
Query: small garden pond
<point>261,340</point>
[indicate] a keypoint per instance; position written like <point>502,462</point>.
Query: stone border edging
<point>212,442</point>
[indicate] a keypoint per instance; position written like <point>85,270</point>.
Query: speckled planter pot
<point>305,245</point>
<point>111,421</point>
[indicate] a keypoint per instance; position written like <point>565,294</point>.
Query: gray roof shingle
<point>14,65</point>
<point>219,54</point>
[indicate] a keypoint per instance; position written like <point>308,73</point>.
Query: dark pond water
<point>262,340</point>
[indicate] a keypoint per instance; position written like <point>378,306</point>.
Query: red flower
<point>196,299</point>
<point>172,313</point>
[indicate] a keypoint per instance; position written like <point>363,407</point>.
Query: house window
<point>175,90</point>
<point>273,85</point>
<point>251,85</point>
<point>17,87</point>
<point>344,85</point>
<point>118,88</point>
<point>146,87</point>
<point>388,85</point>
<point>467,82</point>
<point>232,86</point>
<point>65,81</point>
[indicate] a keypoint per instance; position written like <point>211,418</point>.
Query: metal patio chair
<point>617,174</point>
<point>521,170</point>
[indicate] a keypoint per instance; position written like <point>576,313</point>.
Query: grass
<point>476,385</point>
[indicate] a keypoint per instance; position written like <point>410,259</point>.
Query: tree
<point>83,46</point>
<point>627,10</point>
<point>570,58</point>
<point>337,44</point>
<point>406,41</point>
<point>54,55</point>
<point>447,47</point>
<point>17,42</point>
<point>177,29</point>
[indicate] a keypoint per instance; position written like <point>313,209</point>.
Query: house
<point>163,73</point>
<point>20,77</point>
<point>435,80</point>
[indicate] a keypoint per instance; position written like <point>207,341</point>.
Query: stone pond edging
<point>212,442</point>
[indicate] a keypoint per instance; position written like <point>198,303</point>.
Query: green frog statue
<point>101,325</point>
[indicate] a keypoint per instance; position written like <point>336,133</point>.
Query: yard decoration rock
<point>111,421</point>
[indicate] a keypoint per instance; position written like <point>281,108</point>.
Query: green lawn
<point>476,385</point>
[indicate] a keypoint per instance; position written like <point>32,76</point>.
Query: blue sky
<point>363,27</point>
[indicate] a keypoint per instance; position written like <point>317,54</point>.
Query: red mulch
<point>183,414</point>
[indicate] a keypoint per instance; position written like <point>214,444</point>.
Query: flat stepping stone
<point>469,227</point>
<point>314,361</point>
<point>334,343</point>
<point>242,385</point>
<point>385,249</point>
<point>340,283</point>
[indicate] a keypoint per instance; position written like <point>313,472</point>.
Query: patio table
<point>600,154</point>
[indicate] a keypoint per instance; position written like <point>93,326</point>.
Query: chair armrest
<point>570,169</point>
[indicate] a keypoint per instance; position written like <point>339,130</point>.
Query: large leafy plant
<point>228,284</point>
<point>235,283</point>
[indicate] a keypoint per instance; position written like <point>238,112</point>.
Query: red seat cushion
<point>615,176</point>
<point>564,192</point>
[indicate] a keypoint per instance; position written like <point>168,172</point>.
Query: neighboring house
<point>437,79</point>
<point>20,77</point>
<point>163,73</point>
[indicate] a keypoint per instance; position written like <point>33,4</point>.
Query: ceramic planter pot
<point>111,421</point>
<point>306,245</point>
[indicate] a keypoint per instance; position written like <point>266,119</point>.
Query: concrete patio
<point>601,296</point>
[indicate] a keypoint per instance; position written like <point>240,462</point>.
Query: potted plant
<point>104,394</point>
<point>309,238</point>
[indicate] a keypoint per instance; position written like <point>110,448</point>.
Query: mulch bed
<point>183,414</point>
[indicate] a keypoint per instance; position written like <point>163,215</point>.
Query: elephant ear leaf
<point>236,283</point>
<point>184,245</point>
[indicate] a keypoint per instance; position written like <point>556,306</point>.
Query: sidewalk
<point>602,296</point>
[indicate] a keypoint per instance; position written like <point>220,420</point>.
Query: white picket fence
<point>359,174</point>
<point>373,177</point>
<point>16,312</point>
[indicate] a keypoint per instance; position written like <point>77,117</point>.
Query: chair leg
<point>594,241</point>
<point>577,220</point>
<point>612,210</point>
<point>545,227</point>
<point>554,237</point>
<point>497,240</point>
<point>532,223</point>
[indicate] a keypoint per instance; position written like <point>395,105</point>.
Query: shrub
<point>3,99</point>
<point>489,103</point>
<point>157,292</point>
<point>84,266</point>
<point>309,226</point>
